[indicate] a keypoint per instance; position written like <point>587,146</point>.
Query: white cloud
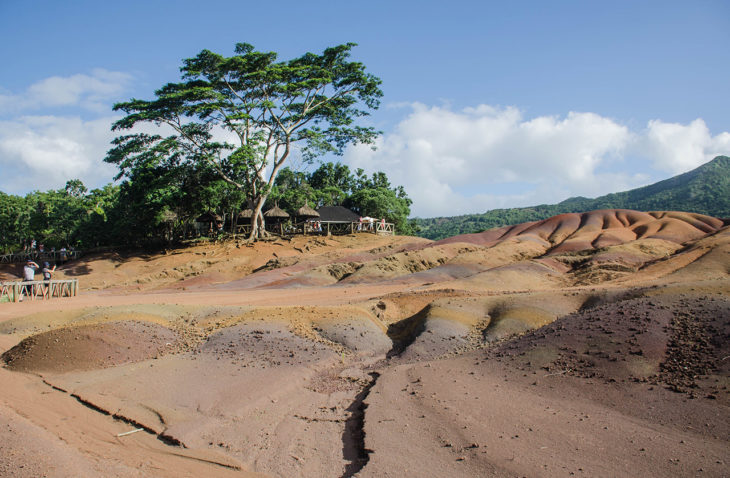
<point>480,158</point>
<point>677,148</point>
<point>436,153</point>
<point>43,152</point>
<point>93,92</point>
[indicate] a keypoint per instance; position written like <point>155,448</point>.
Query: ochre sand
<point>589,344</point>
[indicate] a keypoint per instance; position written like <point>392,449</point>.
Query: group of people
<point>30,268</point>
<point>29,275</point>
<point>33,246</point>
<point>39,251</point>
<point>368,223</point>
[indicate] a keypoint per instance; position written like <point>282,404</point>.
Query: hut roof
<point>209,216</point>
<point>245,214</point>
<point>337,213</point>
<point>306,211</point>
<point>276,212</point>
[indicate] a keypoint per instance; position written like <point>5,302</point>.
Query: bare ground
<point>593,344</point>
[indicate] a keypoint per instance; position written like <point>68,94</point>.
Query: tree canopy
<point>72,216</point>
<point>244,115</point>
<point>332,184</point>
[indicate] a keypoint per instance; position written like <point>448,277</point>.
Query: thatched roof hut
<point>209,216</point>
<point>337,214</point>
<point>245,214</point>
<point>276,213</point>
<point>306,212</point>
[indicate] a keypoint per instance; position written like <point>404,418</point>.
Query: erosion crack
<point>163,437</point>
<point>353,439</point>
<point>403,333</point>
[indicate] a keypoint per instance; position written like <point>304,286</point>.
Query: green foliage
<point>160,199</point>
<point>332,184</point>
<point>64,217</point>
<point>705,190</point>
<point>269,106</point>
<point>383,203</point>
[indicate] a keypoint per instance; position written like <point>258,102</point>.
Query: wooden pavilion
<point>213,221</point>
<point>275,219</point>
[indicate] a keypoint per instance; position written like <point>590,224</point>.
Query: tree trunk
<point>258,225</point>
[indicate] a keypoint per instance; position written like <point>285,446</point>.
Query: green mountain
<point>704,190</point>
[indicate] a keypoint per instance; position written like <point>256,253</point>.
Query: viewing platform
<point>17,291</point>
<point>37,256</point>
<point>325,228</point>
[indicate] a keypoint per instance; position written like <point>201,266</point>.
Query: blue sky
<point>487,104</point>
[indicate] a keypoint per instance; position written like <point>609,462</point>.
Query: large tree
<point>267,107</point>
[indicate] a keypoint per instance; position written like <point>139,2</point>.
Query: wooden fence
<point>49,256</point>
<point>324,228</point>
<point>38,290</point>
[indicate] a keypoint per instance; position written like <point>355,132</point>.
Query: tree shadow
<point>76,270</point>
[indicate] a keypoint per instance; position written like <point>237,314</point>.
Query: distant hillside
<point>705,190</point>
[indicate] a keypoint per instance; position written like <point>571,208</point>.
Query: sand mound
<point>705,259</point>
<point>390,356</point>
<point>361,335</point>
<point>89,347</point>
<point>579,231</point>
<point>533,275</point>
<point>676,342</point>
<point>441,327</point>
<point>264,344</point>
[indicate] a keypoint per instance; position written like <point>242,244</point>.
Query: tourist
<point>29,270</point>
<point>28,276</point>
<point>47,274</point>
<point>47,271</point>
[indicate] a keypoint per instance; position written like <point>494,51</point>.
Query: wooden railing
<point>324,228</point>
<point>38,290</point>
<point>385,228</point>
<point>375,227</point>
<point>50,256</point>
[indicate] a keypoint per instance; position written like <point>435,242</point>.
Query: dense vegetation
<point>269,107</point>
<point>71,216</point>
<point>332,184</point>
<point>704,190</point>
<point>158,202</point>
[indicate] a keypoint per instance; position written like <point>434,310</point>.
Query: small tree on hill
<point>270,107</point>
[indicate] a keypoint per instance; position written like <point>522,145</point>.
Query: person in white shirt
<point>29,270</point>
<point>28,275</point>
